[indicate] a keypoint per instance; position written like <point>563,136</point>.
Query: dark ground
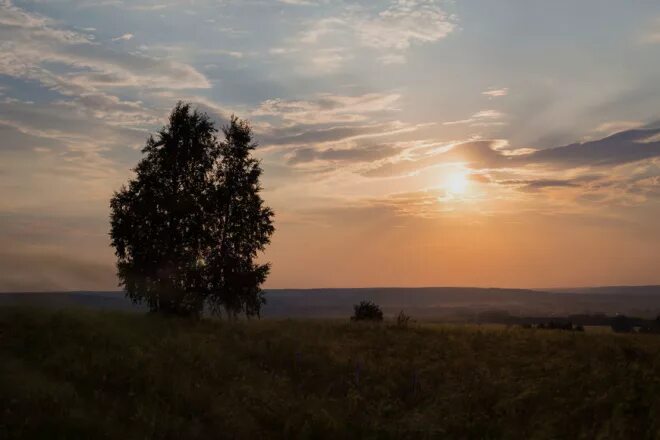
<point>92,374</point>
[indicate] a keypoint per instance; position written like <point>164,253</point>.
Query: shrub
<point>367,311</point>
<point>403,320</point>
<point>622,324</point>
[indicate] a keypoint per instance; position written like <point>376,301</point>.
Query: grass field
<point>76,374</point>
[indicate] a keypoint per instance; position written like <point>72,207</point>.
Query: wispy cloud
<point>328,108</point>
<point>621,148</point>
<point>124,37</point>
<point>31,40</point>
<point>496,93</point>
<point>612,127</point>
<point>481,118</point>
<point>344,155</point>
<point>389,31</point>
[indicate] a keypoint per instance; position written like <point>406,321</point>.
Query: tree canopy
<point>188,228</point>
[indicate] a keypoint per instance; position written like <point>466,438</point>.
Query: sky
<point>404,142</point>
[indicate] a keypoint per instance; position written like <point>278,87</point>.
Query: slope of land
<point>92,374</point>
<point>447,303</point>
<point>464,303</point>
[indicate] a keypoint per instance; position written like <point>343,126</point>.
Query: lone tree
<point>188,228</point>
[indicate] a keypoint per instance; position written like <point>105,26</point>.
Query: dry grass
<point>77,374</point>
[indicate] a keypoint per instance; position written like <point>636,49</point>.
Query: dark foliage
<point>556,325</point>
<point>367,311</point>
<point>622,324</point>
<point>187,229</point>
<point>403,320</point>
<point>652,327</point>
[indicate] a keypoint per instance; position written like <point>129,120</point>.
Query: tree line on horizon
<point>188,228</point>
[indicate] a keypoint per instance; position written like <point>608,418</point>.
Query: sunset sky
<point>404,142</point>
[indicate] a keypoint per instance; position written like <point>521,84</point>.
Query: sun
<point>457,183</point>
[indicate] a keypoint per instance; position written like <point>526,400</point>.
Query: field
<point>91,374</point>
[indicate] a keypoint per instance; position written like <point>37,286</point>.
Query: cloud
<point>70,149</point>
<point>538,184</point>
<point>124,37</point>
<point>392,58</point>
<point>496,93</point>
<point>328,108</point>
<point>305,135</point>
<point>647,186</point>
<point>298,2</point>
<point>30,41</point>
<point>346,121</point>
<point>328,59</point>
<point>612,127</point>
<point>59,156</point>
<point>483,118</point>
<point>622,148</point>
<point>64,122</point>
<point>389,30</point>
<point>423,203</point>
<point>478,154</point>
<point>344,155</point>
<point>402,24</point>
<point>14,20</point>
<point>543,183</point>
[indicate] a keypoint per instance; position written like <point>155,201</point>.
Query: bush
<point>367,311</point>
<point>403,320</point>
<point>554,325</point>
<point>622,324</point>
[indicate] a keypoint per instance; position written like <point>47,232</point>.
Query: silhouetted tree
<point>187,229</point>
<point>245,226</point>
<point>367,311</point>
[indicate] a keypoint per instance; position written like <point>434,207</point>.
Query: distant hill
<point>462,303</point>
<point>611,290</point>
<point>449,303</point>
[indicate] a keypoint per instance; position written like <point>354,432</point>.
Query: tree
<point>246,226</point>
<point>367,311</point>
<point>187,229</point>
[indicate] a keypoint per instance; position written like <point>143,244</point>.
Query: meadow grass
<point>84,374</point>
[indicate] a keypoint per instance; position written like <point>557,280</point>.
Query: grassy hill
<point>94,374</point>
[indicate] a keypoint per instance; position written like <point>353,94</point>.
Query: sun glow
<point>457,183</point>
